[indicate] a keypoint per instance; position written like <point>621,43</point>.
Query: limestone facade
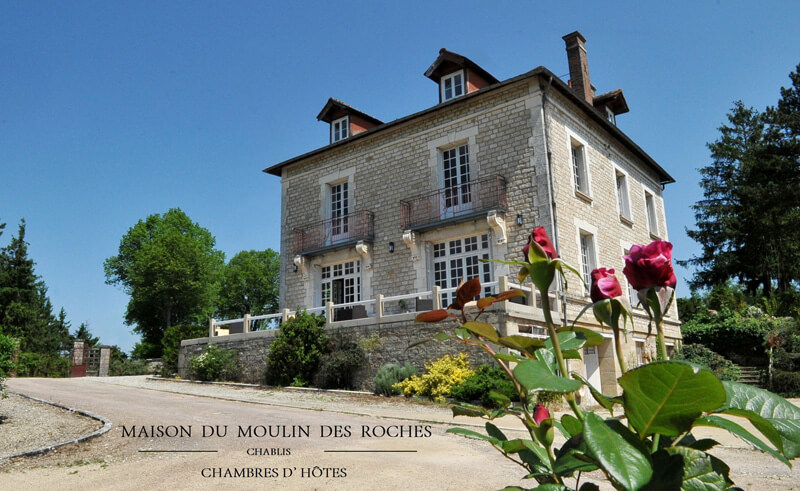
<point>527,130</point>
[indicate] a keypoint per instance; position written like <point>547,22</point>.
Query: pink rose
<point>604,285</point>
<point>650,266</point>
<point>540,237</point>
<point>540,413</point>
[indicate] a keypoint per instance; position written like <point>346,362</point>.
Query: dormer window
<point>612,118</point>
<point>452,85</point>
<point>340,129</point>
<point>346,121</point>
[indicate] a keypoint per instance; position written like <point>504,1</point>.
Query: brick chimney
<point>578,66</point>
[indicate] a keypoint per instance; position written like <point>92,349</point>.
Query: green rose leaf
<point>592,338</point>
<point>494,432</point>
<point>571,424</point>
<point>535,456</point>
<point>701,471</point>
<point>522,343</point>
<point>779,412</point>
<point>502,400</point>
<point>621,460</point>
<point>667,397</point>
<point>760,423</point>
<point>512,446</point>
<point>604,400</point>
<point>471,411</point>
<point>505,356</point>
<point>569,340</point>
<point>737,430</point>
<point>482,329</point>
<point>473,435</point>
<point>536,375</point>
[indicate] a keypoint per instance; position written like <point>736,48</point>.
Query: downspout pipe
<point>551,192</point>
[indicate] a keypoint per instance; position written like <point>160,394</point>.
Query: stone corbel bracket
<point>302,265</point>
<point>498,224</point>
<point>362,248</point>
<point>410,238</point>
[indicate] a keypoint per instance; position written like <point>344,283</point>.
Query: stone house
<point>389,217</point>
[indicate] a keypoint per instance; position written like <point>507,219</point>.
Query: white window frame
<point>339,224</point>
<point>341,128</point>
<point>461,194</point>
<point>611,116</point>
<point>588,256</point>
<point>633,295</point>
<point>451,78</point>
<point>623,196</point>
<point>349,272</point>
<point>640,353</point>
<point>454,249</point>
<point>581,177</point>
<point>651,212</point>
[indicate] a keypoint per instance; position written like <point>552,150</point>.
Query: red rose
<point>604,285</point>
<point>540,237</point>
<point>540,413</point>
<point>650,265</point>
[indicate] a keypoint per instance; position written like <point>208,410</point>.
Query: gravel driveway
<point>349,461</point>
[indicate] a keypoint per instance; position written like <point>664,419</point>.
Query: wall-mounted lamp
<point>391,247</point>
<point>294,268</point>
<point>519,219</point>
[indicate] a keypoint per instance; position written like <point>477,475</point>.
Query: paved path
<point>438,462</point>
<point>431,460</point>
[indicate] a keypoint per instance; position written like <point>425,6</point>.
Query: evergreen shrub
<point>215,364</point>
<point>337,368</point>
<point>479,386</point>
<point>389,375</point>
<point>294,355</point>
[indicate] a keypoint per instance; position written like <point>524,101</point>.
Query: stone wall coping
<point>271,333</point>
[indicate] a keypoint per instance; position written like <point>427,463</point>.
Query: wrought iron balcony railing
<point>334,232</point>
<point>461,201</point>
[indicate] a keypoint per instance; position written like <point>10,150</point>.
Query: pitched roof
<point>445,60</point>
<point>540,71</point>
<point>328,112</point>
<point>614,100</point>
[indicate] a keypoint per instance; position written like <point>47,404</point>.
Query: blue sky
<point>112,111</point>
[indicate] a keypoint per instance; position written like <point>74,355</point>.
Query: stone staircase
<point>750,376</point>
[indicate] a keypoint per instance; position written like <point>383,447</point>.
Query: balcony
<point>334,233</point>
<point>448,205</point>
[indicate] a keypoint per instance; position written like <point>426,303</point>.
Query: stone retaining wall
<point>382,343</point>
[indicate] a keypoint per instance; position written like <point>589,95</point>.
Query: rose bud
<point>604,285</point>
<point>540,237</point>
<point>540,413</point>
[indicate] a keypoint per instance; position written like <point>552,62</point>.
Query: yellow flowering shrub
<point>439,378</point>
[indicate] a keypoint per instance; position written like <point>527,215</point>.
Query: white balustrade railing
<point>377,307</point>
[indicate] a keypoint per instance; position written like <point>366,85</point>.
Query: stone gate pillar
<point>105,361</point>
<point>80,358</point>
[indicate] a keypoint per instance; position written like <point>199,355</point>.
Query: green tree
<point>18,291</point>
<point>84,333</point>
<point>748,222</point>
<point>250,284</point>
<point>170,268</point>
<point>25,310</point>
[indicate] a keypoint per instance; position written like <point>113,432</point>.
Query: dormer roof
<point>335,109</point>
<point>448,62</point>
<point>613,100</point>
